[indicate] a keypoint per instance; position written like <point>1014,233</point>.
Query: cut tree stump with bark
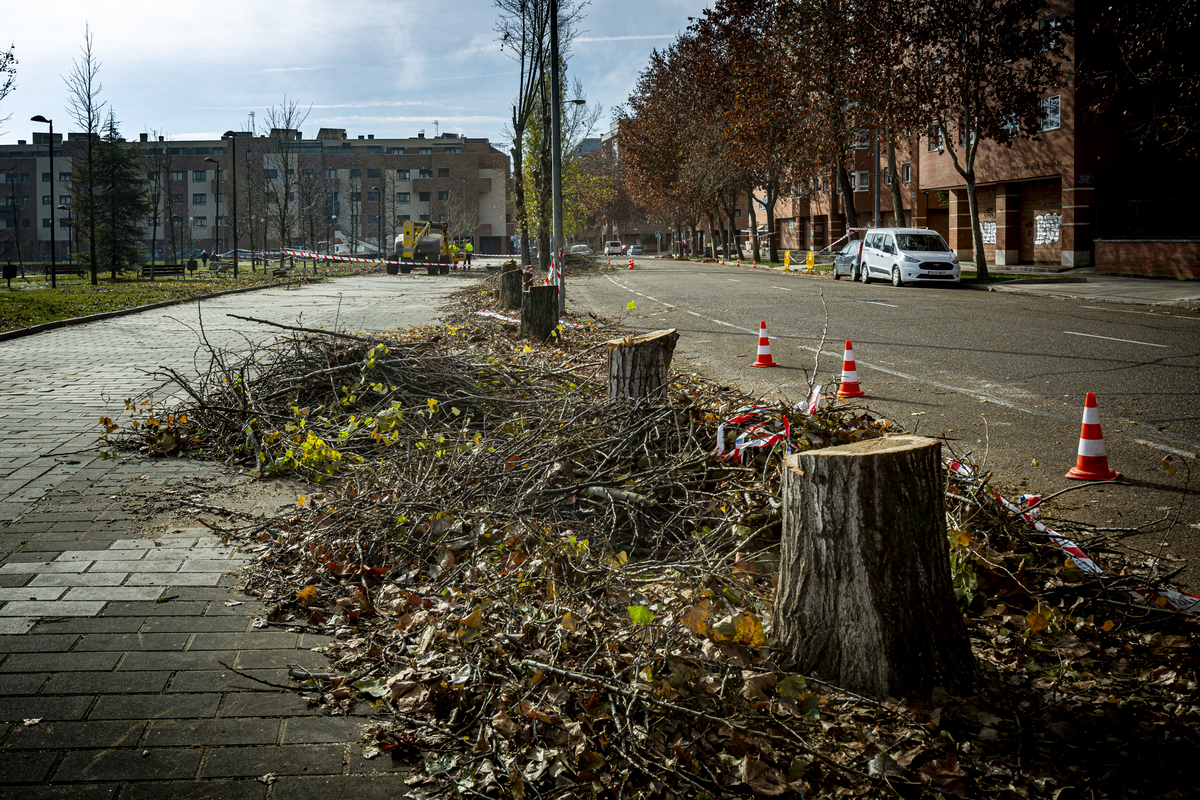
<point>539,312</point>
<point>510,285</point>
<point>637,365</point>
<point>866,600</point>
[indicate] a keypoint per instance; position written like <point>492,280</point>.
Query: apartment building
<point>360,189</point>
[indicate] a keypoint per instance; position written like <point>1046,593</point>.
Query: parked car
<point>634,250</point>
<point>906,255</point>
<point>613,249</point>
<point>847,260</point>
<point>581,250</point>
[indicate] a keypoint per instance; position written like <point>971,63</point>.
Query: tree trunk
<point>539,312</point>
<point>753,224</point>
<point>843,180</point>
<point>981,266</point>
<point>637,365</point>
<point>897,198</point>
<point>865,595</point>
<point>510,285</point>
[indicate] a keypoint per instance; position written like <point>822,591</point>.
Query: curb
<point>72,321</point>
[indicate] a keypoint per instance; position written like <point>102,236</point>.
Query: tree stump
<point>637,365</point>
<point>865,596</point>
<point>539,312</point>
<point>510,285</point>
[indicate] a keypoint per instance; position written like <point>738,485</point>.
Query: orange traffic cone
<point>610,263</point>
<point>631,262</point>
<point>764,348</point>
<point>1091,464</point>
<point>755,265</point>
<point>850,387</point>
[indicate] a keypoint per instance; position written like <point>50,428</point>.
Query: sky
<point>383,67</point>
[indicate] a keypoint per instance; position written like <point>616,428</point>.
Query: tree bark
<point>865,595</point>
<point>510,285</point>
<point>539,312</point>
<point>637,365</point>
<point>897,199</point>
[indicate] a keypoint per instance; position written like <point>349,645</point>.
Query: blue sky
<point>385,67</point>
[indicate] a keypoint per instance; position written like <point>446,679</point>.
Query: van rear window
<point>926,242</point>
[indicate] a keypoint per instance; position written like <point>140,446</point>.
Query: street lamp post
<point>216,206</point>
<point>232,137</point>
<point>50,122</point>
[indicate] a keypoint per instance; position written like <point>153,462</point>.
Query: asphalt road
<point>999,376</point>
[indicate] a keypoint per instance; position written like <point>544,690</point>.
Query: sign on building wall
<point>989,232</point>
<point>1046,227</point>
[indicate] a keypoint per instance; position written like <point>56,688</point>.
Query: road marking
<point>733,280</point>
<point>1113,339</point>
<point>1159,314</point>
<point>694,314</point>
<point>781,288</point>
<point>879,303</point>
<point>1173,450</point>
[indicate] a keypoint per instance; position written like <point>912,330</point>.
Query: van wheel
<point>864,273</point>
<point>896,279</point>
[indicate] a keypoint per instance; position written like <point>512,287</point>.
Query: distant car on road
<point>613,249</point>
<point>906,255</point>
<point>581,250</point>
<point>848,260</point>
<point>635,250</point>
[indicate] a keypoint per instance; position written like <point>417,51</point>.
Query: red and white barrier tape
<point>1028,512</point>
<point>760,434</point>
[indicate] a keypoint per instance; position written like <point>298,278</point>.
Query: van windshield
<point>927,242</point>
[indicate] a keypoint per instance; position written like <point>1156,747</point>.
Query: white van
<point>907,254</point>
<point>612,248</point>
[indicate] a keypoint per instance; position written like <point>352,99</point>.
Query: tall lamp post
<point>232,137</point>
<point>217,205</point>
<point>50,122</point>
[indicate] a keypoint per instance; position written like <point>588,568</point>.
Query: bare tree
<point>84,106</point>
<point>157,159</point>
<point>8,77</point>
<point>284,122</point>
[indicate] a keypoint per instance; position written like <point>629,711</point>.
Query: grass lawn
<point>31,301</point>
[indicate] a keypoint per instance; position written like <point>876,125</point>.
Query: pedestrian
<point>453,255</point>
<point>204,257</point>
<point>470,250</point>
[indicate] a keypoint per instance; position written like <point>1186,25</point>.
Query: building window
<point>355,173</point>
<point>175,175</point>
<point>219,198</point>
<point>1051,28</point>
<point>45,177</point>
<point>443,172</point>
<point>425,151</point>
<point>737,213</point>
<point>46,199</point>
<point>199,222</point>
<point>860,180</point>
<point>425,173</point>
<point>372,173</point>
<point>291,173</point>
<point>24,177</point>
<point>25,200</point>
<point>453,149</point>
<point>24,223</point>
<point>423,218</point>
<point>64,199</point>
<point>403,197</point>
<point>372,197</point>
<point>177,198</point>
<point>443,195</point>
<point>862,139</point>
<point>218,151</point>
<point>423,197</point>
<point>199,199</point>
<point>887,176</point>
<point>199,175</point>
<point>220,220</point>
<point>10,177</point>
<point>1050,113</point>
<point>356,197</point>
<point>271,174</point>
<point>937,138</point>
<point>396,151</point>
<point>307,173</point>
<point>64,177</point>
<point>152,177</point>
<point>402,175</point>
<point>177,151</point>
<point>372,219</point>
<point>176,222</point>
<point>64,223</point>
<point>201,151</point>
<point>354,220</point>
<point>330,174</point>
<point>907,172</point>
<point>45,222</point>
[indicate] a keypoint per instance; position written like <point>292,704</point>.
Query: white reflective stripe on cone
<point>1092,448</point>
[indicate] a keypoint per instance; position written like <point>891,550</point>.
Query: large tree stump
<point>637,365</point>
<point>865,596</point>
<point>539,312</point>
<point>510,285</point>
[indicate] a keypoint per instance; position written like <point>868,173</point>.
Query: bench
<point>68,269</point>
<point>163,270</point>
<point>215,268</point>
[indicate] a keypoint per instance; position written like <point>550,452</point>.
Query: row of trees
<point>769,94</point>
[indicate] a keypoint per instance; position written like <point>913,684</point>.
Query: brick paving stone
<point>54,566</point>
<point>106,791</point>
<point>76,735</point>
<point>32,593</point>
<point>110,593</point>
<point>141,609</point>
<point>58,643</point>
<point>267,704</point>
<point>274,659</point>
<point>226,681</point>
<point>155,706</point>
<point>131,566</point>
<point>197,624</point>
<point>174,579</point>
<point>197,790</point>
<point>94,625</point>
<point>132,641</point>
<point>29,557</point>
<point>28,767</point>
<point>124,765</point>
<point>55,608</point>
<point>75,579</point>
<point>207,659</point>
<point>358,763</point>
<point>25,707</point>
<point>77,547</point>
<point>211,732</point>
<point>106,682</point>
<point>254,640</point>
<point>314,730</point>
<point>239,762</point>
<point>360,787</point>
<point>14,683</point>
<point>60,662</point>
<point>15,625</point>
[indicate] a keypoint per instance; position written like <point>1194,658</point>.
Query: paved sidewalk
<point>116,618</point>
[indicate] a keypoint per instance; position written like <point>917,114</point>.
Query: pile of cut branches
<point>549,594</point>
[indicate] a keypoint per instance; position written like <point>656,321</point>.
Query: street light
<point>232,137</point>
<point>50,122</point>
<point>216,205</point>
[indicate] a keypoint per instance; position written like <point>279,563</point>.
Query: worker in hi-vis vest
<point>470,250</point>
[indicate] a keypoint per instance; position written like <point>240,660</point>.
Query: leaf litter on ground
<point>544,593</point>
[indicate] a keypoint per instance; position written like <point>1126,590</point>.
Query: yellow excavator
<point>422,242</point>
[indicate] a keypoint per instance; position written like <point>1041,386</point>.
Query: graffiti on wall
<point>1045,227</point>
<point>989,232</point>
